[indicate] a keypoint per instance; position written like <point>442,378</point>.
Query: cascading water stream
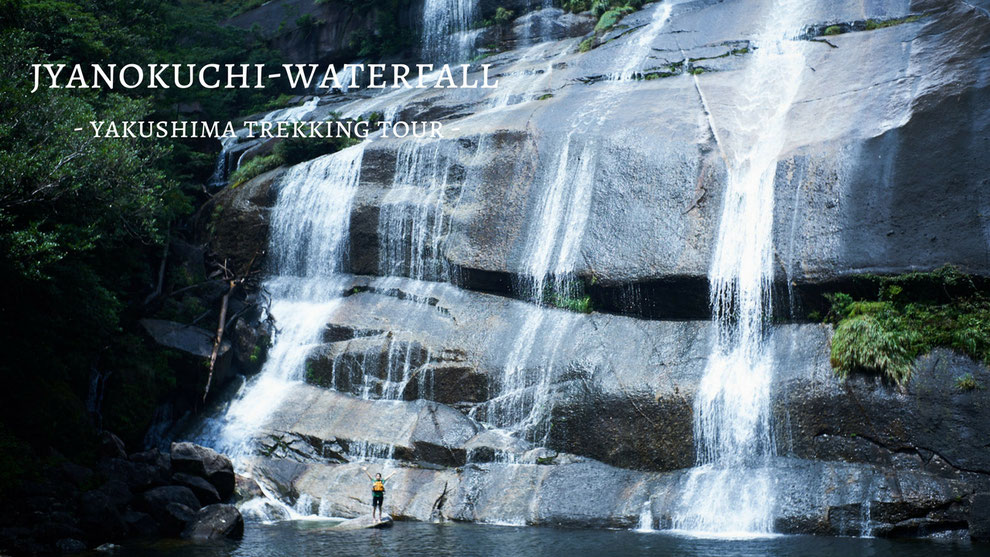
<point>551,251</point>
<point>411,222</point>
<point>447,34</point>
<point>223,168</point>
<point>308,243</point>
<point>731,491</point>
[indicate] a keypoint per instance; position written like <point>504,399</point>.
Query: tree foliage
<point>83,220</point>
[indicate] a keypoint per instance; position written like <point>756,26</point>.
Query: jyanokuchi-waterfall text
<point>132,129</point>
<point>256,76</point>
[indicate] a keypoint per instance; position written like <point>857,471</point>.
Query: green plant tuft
<point>912,314</point>
<point>577,304</point>
<point>253,168</point>
<point>968,383</point>
<point>861,343</point>
<point>503,16</point>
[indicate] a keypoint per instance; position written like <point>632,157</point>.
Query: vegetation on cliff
<point>608,12</point>
<point>84,221</point>
<point>910,315</point>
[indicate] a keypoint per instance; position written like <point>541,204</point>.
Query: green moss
<point>610,17</point>
<point>650,76</point>
<point>254,167</point>
<point>280,101</point>
<point>872,24</point>
<point>580,304</point>
<point>545,97</point>
<point>832,30</point>
<point>257,354</point>
<point>862,343</point>
<point>586,45</point>
<point>967,383</point>
<point>697,70</point>
<point>576,6</point>
<point>911,314</point>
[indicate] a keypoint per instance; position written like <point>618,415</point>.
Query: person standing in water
<point>377,492</point>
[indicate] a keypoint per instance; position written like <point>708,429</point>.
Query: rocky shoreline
<point>184,493</point>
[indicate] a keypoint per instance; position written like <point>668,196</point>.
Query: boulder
<point>363,522</point>
<point>171,506</point>
<point>240,224</point>
<point>979,517</point>
<point>204,490</point>
<point>154,456</point>
<point>78,476</point>
<point>99,517</point>
<point>215,522</point>
<point>56,527</point>
<point>117,492</point>
<point>357,428</point>
<point>111,446</point>
<point>187,338</point>
<point>140,524</point>
<point>137,476</point>
<point>174,518</point>
<point>246,488</point>
<point>251,340</point>
<point>189,458</point>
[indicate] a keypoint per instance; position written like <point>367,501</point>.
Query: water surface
<point>316,539</point>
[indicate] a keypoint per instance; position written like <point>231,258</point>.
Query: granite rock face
<point>855,456</point>
<point>503,411</point>
<point>894,180</point>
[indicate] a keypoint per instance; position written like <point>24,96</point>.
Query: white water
<point>731,491</point>
<point>551,253</point>
<point>530,76</point>
<point>645,518</point>
<point>290,114</point>
<point>447,35</point>
<point>309,246</point>
<point>411,222</point>
<point>308,243</point>
<point>639,51</point>
<point>553,247</point>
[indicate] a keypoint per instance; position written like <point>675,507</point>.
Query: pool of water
<point>317,539</point>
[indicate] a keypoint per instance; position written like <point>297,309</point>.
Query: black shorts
<point>376,500</point>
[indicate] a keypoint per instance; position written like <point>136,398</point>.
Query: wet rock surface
<point>849,189</point>
<point>215,522</point>
<point>428,374</point>
<point>363,522</point>
<point>618,423</point>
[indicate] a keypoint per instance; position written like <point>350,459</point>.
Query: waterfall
<point>554,242</point>
<point>308,244</point>
<point>529,76</point>
<point>550,255</point>
<point>731,490</point>
<point>447,35</point>
<point>222,169</point>
<point>639,51</point>
<point>412,223</point>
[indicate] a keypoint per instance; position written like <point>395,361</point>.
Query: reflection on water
<point>315,539</point>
